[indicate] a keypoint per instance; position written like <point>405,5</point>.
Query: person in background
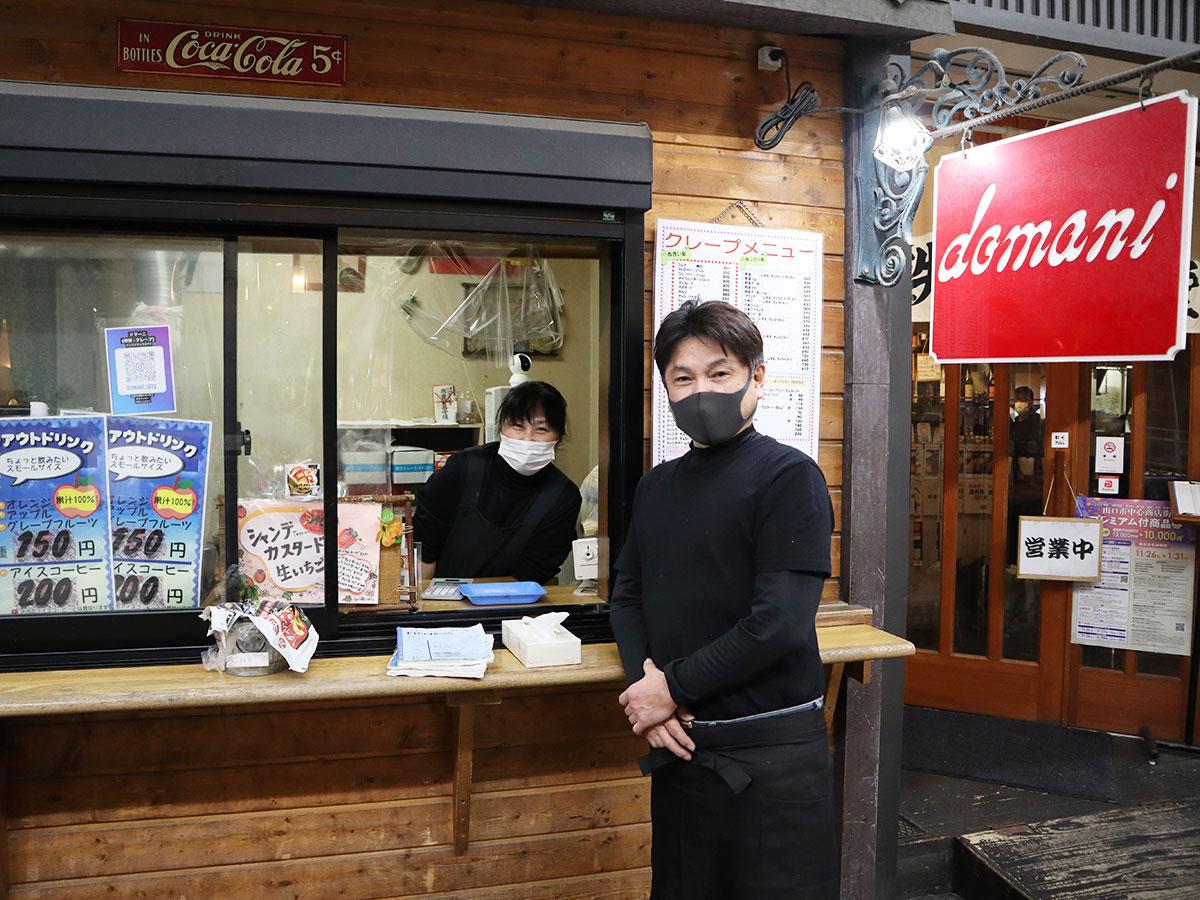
<point>503,509</point>
<point>713,607</point>
<point>1025,438</point>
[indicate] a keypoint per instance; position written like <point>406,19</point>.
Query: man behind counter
<point>503,509</point>
<point>713,608</point>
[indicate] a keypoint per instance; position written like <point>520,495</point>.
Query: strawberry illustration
<point>313,520</point>
<point>347,538</point>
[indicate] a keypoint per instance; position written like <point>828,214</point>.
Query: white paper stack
<point>444,652</point>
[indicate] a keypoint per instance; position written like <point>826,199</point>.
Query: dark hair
<point>1025,390</point>
<point>526,400</point>
<point>722,323</point>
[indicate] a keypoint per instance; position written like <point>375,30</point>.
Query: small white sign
<point>1059,549</point>
<point>1110,455</point>
<point>1108,484</point>
<point>1060,440</point>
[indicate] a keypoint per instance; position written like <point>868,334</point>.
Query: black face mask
<point>711,417</point>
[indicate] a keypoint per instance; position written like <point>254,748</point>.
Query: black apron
<point>750,817</point>
<point>475,548</point>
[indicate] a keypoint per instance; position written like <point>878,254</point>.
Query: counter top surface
<point>344,678</point>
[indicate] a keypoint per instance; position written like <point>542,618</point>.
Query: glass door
<point>1138,417</point>
<point>987,641</point>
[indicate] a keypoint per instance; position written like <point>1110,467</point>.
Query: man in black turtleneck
<point>713,608</point>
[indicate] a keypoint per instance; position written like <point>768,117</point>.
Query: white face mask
<point>526,457</point>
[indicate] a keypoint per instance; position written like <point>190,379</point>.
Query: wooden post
<point>464,761</point>
<point>875,523</point>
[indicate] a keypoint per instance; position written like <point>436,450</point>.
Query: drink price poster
<point>772,275</point>
<point>1143,600</point>
<point>158,474</point>
<point>54,514</point>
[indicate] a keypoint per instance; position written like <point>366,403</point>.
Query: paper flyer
<point>158,479</point>
<point>358,552</point>
<point>281,551</point>
<point>54,516</point>
<point>1143,600</point>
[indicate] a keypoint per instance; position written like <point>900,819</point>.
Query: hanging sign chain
<point>744,208</point>
<point>1050,490</point>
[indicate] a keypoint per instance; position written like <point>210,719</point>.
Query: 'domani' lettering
<point>1031,242</point>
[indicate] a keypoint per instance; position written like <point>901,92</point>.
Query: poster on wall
<point>772,275</point>
<point>158,480</point>
<point>1143,600</point>
<point>141,379</point>
<point>54,516</point>
<point>922,276</point>
<point>1193,310</point>
<point>281,551</point>
<point>1026,228</point>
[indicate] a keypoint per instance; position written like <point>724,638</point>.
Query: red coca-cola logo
<point>230,52</point>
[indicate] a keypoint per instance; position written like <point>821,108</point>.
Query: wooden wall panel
<point>356,801</point>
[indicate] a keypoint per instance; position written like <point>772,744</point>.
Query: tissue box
<point>537,646</point>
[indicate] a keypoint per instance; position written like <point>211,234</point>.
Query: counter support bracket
<point>464,761</point>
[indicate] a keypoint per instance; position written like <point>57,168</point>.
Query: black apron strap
<point>530,522</point>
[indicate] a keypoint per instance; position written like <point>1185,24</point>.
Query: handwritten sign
<point>282,551</point>
<point>158,472</point>
<point>1059,549</point>
<point>54,542</point>
<point>358,552</point>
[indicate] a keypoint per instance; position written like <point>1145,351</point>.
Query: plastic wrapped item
<point>499,299</point>
<point>365,464</point>
<point>284,630</point>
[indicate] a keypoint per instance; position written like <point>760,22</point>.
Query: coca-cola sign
<point>1069,243</point>
<point>264,54</point>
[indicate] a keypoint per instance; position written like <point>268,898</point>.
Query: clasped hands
<point>653,713</point>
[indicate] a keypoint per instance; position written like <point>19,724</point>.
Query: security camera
<point>518,366</point>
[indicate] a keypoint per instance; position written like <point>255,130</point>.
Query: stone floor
<point>936,809</point>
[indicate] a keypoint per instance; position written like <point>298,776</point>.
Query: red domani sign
<point>257,53</point>
<point>1069,243</point>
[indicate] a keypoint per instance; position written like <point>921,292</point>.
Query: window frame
<point>101,639</point>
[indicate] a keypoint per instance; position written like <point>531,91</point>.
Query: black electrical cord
<point>804,101</point>
<point>801,102</point>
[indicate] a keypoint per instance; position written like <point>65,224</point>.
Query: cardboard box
<point>541,641</point>
<point>411,465</point>
<point>365,469</point>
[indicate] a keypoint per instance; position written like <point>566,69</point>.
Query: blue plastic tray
<point>503,593</point>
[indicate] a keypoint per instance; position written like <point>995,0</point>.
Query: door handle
<point>239,441</point>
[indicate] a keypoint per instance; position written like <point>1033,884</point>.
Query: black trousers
<point>750,817</point>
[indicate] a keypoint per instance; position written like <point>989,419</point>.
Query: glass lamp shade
<point>902,140</point>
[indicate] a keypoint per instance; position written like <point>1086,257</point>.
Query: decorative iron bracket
<point>887,198</point>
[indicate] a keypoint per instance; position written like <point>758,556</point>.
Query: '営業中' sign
<point>262,54</point>
<point>1046,245</point>
<point>1059,549</point>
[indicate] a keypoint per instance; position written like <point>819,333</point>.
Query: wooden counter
<point>176,782</point>
<point>85,691</point>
